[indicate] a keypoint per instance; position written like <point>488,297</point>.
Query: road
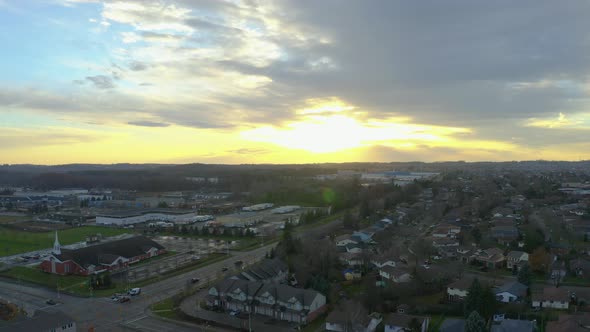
<point>104,315</point>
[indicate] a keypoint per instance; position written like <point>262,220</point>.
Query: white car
<point>134,291</point>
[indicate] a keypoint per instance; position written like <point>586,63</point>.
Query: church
<point>106,256</point>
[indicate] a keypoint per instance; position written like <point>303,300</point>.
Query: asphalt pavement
<point>103,314</point>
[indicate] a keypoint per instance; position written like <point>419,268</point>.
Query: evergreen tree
<point>525,276</point>
<point>475,323</point>
<point>473,299</point>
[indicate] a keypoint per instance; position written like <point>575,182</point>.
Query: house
<point>510,292</point>
<point>403,322</point>
<point>515,258</point>
<point>446,230</point>
<point>444,242</point>
<point>504,234</point>
<point>42,321</point>
<point>558,270</point>
<point>105,256</point>
<point>351,259</point>
<point>281,302</point>
<point>362,236</point>
<point>394,274</point>
<point>551,297</point>
<point>343,240</point>
<point>579,322</point>
<point>346,320</point>
<point>580,267</point>
<point>458,290</point>
<point>268,270</point>
<point>380,262</point>
<point>452,325</point>
<point>490,258</point>
<point>513,325</point>
<point>354,248</point>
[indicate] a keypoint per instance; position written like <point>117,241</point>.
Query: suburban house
<point>403,322</point>
<point>513,325</point>
<point>394,274</point>
<point>490,258</point>
<point>380,262</point>
<point>580,267</point>
<point>105,256</point>
<point>281,302</point>
<point>514,259</point>
<point>362,236</point>
<point>510,292</point>
<point>341,320</point>
<point>351,259</point>
<point>558,270</point>
<point>446,230</point>
<point>354,248</point>
<point>458,290</point>
<point>343,240</point>
<point>439,242</point>
<point>268,270</point>
<point>504,234</point>
<point>551,297</point>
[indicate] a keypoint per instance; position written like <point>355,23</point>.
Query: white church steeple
<point>56,246</point>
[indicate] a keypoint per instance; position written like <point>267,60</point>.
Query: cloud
<point>148,124</point>
<point>101,81</point>
<point>137,66</point>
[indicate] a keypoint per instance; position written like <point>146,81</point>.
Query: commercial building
<point>130,217</point>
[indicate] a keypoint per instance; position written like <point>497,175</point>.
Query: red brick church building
<point>102,257</point>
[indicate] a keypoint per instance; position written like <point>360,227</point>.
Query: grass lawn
<point>78,284</point>
<point>165,309</point>
<point>14,242</point>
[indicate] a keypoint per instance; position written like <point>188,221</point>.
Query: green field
<point>14,242</point>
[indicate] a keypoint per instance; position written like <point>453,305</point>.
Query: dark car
<point>224,269</point>
<point>50,302</point>
<point>195,280</point>
<point>124,299</point>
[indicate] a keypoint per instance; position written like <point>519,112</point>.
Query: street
<point>103,314</point>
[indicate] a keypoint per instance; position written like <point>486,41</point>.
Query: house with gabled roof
<point>401,322</point>
<point>515,258</point>
<point>551,297</point>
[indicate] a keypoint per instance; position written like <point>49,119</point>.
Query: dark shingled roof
<point>402,320</point>
<point>107,252</point>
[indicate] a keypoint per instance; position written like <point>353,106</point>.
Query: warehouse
<point>130,217</point>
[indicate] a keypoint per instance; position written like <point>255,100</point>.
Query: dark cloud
<point>148,124</point>
<point>101,81</point>
<point>137,66</point>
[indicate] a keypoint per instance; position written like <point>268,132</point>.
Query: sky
<point>293,81</point>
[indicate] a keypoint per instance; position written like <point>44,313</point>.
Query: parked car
<point>116,297</point>
<point>134,291</point>
<point>50,302</point>
<point>195,257</point>
<point>195,280</point>
<point>234,312</point>
<point>124,299</point>
<point>223,269</point>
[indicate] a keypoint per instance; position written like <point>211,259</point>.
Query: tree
<point>414,325</point>
<point>525,276</point>
<point>540,260</point>
<point>473,299</point>
<point>162,205</point>
<point>488,303</point>
<point>475,323</point>
<point>476,233</point>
